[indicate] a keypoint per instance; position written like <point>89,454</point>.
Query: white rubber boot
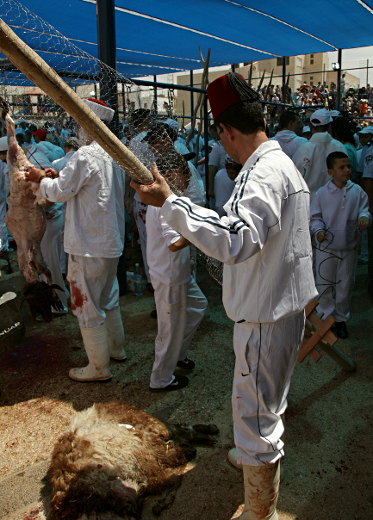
<point>97,349</point>
<point>262,485</point>
<point>115,332</point>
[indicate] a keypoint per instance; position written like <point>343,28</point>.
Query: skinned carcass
<point>25,219</point>
<point>112,456</point>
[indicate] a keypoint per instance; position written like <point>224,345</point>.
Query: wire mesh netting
<point>43,90</point>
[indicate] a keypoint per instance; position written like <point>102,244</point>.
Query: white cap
<point>365,130</point>
<point>3,144</point>
<point>172,123</point>
<point>321,117</point>
<point>335,113</point>
<point>306,129</point>
<point>101,110</point>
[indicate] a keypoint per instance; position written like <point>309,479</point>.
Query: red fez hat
<point>40,133</point>
<point>229,90</point>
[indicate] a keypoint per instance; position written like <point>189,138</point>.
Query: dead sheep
<point>112,456</point>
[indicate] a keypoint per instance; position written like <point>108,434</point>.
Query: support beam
<point>339,72</point>
<point>206,139</point>
<point>284,93</point>
<point>191,94</point>
<point>107,54</point>
<point>155,102</point>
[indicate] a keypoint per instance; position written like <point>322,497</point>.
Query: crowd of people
<point>270,197</point>
<point>356,102</point>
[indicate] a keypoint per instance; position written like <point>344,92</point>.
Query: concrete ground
<point>327,470</point>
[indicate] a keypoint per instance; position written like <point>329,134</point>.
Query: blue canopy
<point>161,36</point>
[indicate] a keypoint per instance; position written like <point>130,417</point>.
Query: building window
<point>279,61</point>
<point>311,55</point>
<point>311,62</point>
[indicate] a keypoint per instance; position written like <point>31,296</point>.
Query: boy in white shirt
<point>180,303</point>
<point>339,210</point>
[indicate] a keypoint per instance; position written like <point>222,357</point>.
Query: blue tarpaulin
<point>160,36</point>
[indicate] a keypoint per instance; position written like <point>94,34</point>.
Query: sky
<point>356,58</point>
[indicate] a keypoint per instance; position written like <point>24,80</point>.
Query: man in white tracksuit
<point>310,157</point>
<point>265,245</point>
<point>92,184</point>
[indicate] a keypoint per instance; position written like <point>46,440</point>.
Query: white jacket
<point>289,141</point>
<point>310,159</point>
<point>264,240</point>
<point>337,211</point>
<point>92,184</point>
<point>170,268</point>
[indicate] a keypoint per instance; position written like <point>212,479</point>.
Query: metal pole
<point>339,71</point>
<point>107,54</point>
<point>123,101</point>
<point>191,97</point>
<point>109,90</point>
<point>233,67</point>
<point>206,138</point>
<point>155,103</point>
<point>283,79</point>
<point>367,72</point>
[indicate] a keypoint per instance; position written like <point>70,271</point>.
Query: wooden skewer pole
<point>41,74</point>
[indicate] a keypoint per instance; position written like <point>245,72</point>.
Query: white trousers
<point>180,310</point>
<point>51,251</point>
<point>266,354</point>
<point>335,276</point>
<point>139,214</point>
<point>94,288</point>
